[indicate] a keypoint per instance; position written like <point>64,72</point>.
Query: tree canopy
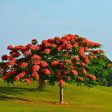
<point>58,59</point>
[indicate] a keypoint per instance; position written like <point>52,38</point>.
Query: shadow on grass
<point>9,93</point>
<point>5,98</point>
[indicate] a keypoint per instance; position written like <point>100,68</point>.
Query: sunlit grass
<point>26,98</point>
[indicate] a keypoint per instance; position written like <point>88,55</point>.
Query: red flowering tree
<point>61,60</point>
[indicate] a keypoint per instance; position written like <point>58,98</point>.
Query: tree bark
<point>41,84</point>
<point>61,95</point>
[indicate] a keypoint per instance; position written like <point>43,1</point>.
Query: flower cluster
<point>56,59</point>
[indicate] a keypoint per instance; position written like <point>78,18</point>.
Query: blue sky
<point>22,20</point>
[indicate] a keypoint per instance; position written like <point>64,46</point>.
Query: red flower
<point>66,37</point>
<point>74,72</point>
<point>26,53</point>
<point>5,66</point>
<point>28,80</point>
<point>47,51</point>
<point>55,63</point>
<point>17,78</point>
<point>50,40</point>
<point>4,57</point>
<point>75,44</point>
<point>36,68</point>
<point>15,54</point>
<point>80,78</point>
<point>68,46</point>
<point>36,62</point>
<point>43,64</point>
<point>68,61</point>
<point>76,58</point>
<point>12,62</point>
<point>58,74</point>
<point>83,64</point>
<point>61,83</point>
<point>35,48</point>
<point>99,51</point>
<point>84,71</point>
<point>72,67</point>
<point>81,51</point>
<point>10,47</point>
<point>86,59</point>
<point>23,48</point>
<point>73,38</point>
<point>97,45</point>
<point>61,65</point>
<point>36,75</point>
<point>8,74</point>
<point>92,77</point>
<point>68,78</point>
<point>66,72</point>
<point>32,47</point>
<point>78,63</point>
<point>64,41</point>
<point>4,77</point>
<point>35,57</point>
<point>86,48</point>
<point>53,45</point>
<point>10,57</point>
<point>17,47</point>
<point>45,43</point>
<point>22,74</point>
<point>85,41</point>
<point>66,54</point>
<point>24,64</point>
<point>59,48</point>
<point>47,71</point>
<point>28,45</point>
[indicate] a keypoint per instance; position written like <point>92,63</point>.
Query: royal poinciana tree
<point>61,60</point>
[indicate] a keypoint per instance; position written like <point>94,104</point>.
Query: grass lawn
<point>26,98</point>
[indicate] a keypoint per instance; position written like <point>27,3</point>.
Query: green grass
<point>26,98</point>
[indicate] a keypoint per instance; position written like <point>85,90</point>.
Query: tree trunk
<point>41,84</point>
<point>61,95</point>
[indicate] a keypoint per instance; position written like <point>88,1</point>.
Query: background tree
<point>57,59</point>
<point>102,68</point>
